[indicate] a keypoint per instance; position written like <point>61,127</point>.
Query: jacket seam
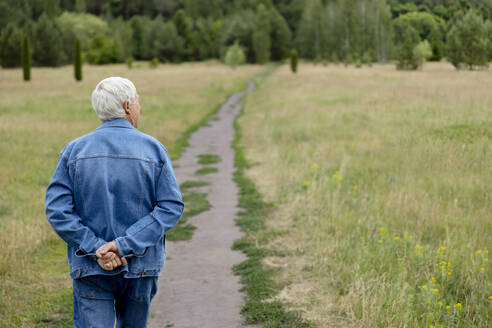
<point>116,156</point>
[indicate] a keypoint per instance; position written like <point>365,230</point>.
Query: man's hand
<point>108,256</point>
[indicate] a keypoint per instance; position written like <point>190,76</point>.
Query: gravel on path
<point>197,288</point>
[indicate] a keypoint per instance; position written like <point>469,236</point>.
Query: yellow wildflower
<point>380,241</point>
<point>490,298</point>
<point>479,252</point>
<point>458,306</point>
<point>448,307</point>
<point>482,269</point>
<point>439,303</point>
<point>355,187</point>
<point>314,166</point>
<point>424,287</point>
<point>433,279</point>
<point>431,326</point>
<point>381,230</point>
<point>396,238</point>
<point>435,290</point>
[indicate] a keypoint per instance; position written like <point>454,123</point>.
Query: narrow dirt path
<point>197,287</point>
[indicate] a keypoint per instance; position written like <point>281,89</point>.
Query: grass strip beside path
<point>257,279</point>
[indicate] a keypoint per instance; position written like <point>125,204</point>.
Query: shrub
<point>103,50</point>
<point>129,62</point>
<point>235,55</point>
<point>154,63</point>
<point>422,52</point>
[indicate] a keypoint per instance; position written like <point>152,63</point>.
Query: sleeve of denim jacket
<point>60,211</point>
<point>147,231</point>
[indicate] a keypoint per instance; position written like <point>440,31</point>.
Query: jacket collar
<point>117,122</point>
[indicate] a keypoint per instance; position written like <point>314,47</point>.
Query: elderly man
<point>112,199</point>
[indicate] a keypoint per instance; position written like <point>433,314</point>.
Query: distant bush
<point>103,50</point>
<point>235,55</point>
<point>422,52</point>
<point>84,26</point>
<point>129,62</point>
<point>154,63</point>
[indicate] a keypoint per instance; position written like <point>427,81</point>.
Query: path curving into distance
<point>197,288</point>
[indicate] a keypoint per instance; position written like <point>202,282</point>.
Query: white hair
<point>110,94</point>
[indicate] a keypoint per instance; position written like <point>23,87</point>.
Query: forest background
<point>350,31</point>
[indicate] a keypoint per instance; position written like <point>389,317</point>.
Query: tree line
<point>254,31</point>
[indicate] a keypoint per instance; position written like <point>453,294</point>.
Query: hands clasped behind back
<point>108,257</point>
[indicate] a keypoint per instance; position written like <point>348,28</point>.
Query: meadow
<point>37,119</point>
<point>379,183</point>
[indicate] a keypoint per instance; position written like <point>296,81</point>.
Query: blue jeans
<point>100,299</point>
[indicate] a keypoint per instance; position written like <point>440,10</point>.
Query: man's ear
<point>126,107</point>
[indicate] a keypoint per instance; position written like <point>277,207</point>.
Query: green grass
<point>192,184</point>
<point>382,201</point>
<point>258,280</point>
<point>208,159</point>
<point>36,120</point>
<point>195,203</point>
<point>206,170</point>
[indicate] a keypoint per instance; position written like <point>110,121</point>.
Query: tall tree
<point>280,36</point>
<point>10,45</point>
<point>311,38</point>
<point>261,35</point>
<point>138,37</point>
<point>184,27</point>
<point>165,42</point>
<point>47,43</point>
<point>406,58</point>
<point>26,58</point>
<point>436,43</point>
<point>468,41</point>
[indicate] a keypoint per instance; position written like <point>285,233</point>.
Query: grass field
<point>36,120</point>
<point>380,183</point>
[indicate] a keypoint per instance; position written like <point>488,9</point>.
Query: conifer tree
<point>293,61</point>
<point>26,58</point>
<point>77,60</point>
<point>261,35</point>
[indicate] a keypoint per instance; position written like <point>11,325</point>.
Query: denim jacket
<point>115,183</point>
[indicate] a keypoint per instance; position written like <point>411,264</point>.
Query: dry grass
<point>372,170</point>
<point>37,119</point>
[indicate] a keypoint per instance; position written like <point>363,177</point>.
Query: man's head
<point>116,97</point>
